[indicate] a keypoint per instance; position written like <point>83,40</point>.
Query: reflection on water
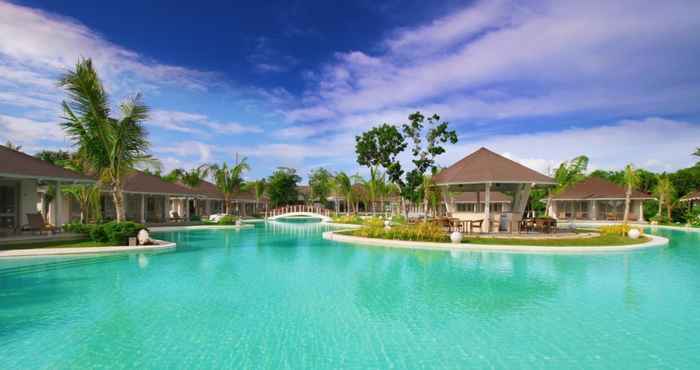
<point>280,296</point>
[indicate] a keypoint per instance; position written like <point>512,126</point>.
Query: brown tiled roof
<point>597,188</point>
<point>205,189</point>
<point>14,163</point>
<point>484,166</point>
<point>139,182</point>
<point>691,196</point>
<point>470,197</point>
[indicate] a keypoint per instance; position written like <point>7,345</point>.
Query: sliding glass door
<point>8,205</point>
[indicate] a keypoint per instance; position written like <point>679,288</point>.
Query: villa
<point>692,199</point>
<point>596,199</point>
<point>20,177</point>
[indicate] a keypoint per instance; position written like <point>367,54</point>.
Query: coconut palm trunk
<point>118,197</point>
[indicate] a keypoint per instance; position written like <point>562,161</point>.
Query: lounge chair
<point>174,216</point>
<point>476,223</point>
<point>36,222</point>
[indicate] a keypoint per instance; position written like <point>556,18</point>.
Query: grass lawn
<point>597,241</point>
<point>54,244</point>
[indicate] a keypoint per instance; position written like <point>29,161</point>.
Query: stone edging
<point>48,252</point>
<point>656,241</point>
<point>199,227</point>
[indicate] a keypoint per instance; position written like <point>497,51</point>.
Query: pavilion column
<point>641,211</point>
<point>143,208</point>
<point>487,208</point>
<point>593,215</point>
<point>446,199</point>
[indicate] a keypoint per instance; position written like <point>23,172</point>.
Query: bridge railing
<point>297,208</point>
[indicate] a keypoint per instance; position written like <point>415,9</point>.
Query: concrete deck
<point>48,252</point>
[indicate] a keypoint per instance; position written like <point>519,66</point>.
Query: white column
<point>641,210</point>
<point>143,208</point>
<point>487,208</point>
<point>59,205</point>
<point>446,199</point>
<point>593,214</point>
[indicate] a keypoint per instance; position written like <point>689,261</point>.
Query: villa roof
<point>485,166</point>
<point>471,197</point>
<point>247,194</point>
<point>597,188</point>
<point>16,164</point>
<point>695,195</point>
<point>205,189</point>
<point>140,182</point>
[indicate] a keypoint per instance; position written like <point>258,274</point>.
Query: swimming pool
<point>279,296</point>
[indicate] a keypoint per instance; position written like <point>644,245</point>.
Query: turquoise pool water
<point>281,297</point>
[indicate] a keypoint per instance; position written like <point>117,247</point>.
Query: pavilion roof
<point>485,166</point>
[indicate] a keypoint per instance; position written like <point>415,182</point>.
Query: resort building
<point>596,199</point>
<point>471,205</point>
<point>21,175</point>
<point>691,199</point>
<point>488,172</point>
<point>149,199</point>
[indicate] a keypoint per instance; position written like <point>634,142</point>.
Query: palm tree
<point>664,190</point>
<point>88,198</point>
<point>374,186</point>
<point>111,147</point>
<point>631,180</point>
<point>229,180</point>
<point>259,187</point>
<point>343,184</point>
<point>429,195</point>
<point>193,177</point>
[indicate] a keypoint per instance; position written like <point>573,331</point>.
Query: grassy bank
<point>55,244</point>
<point>433,234</point>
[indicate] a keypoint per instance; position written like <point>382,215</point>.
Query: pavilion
<point>487,171</point>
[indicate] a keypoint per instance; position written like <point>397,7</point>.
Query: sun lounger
<point>36,223</point>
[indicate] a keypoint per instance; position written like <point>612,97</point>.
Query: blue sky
<point>290,84</point>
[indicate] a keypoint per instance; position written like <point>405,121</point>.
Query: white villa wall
<point>28,199</point>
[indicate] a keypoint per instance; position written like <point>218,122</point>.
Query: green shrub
<point>621,229</point>
<point>373,222</point>
<point>228,220</point>
<point>78,228</point>
<point>113,232</point>
<point>195,218</point>
<point>398,220</point>
<point>99,234</point>
<point>348,219</point>
<point>424,231</point>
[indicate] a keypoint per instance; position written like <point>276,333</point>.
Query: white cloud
<point>29,132</point>
<point>653,143</point>
<point>197,123</point>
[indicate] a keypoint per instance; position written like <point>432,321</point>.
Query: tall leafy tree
<point>259,187</point>
<point>343,185</point>
<point>111,146</point>
<point>55,157</point>
<point>571,172</point>
<point>664,191</point>
<point>380,147</point>
<point>282,186</point>
<point>229,179</point>
<point>435,134</point>
<point>631,178</point>
<point>194,176</point>
<point>321,184</point>
<point>88,198</point>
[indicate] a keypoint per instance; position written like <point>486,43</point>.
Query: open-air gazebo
<point>487,171</point>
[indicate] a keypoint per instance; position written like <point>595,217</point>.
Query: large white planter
<point>456,237</point>
<point>143,237</point>
<point>633,233</point>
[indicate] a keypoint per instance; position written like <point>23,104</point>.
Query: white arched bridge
<point>299,210</point>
